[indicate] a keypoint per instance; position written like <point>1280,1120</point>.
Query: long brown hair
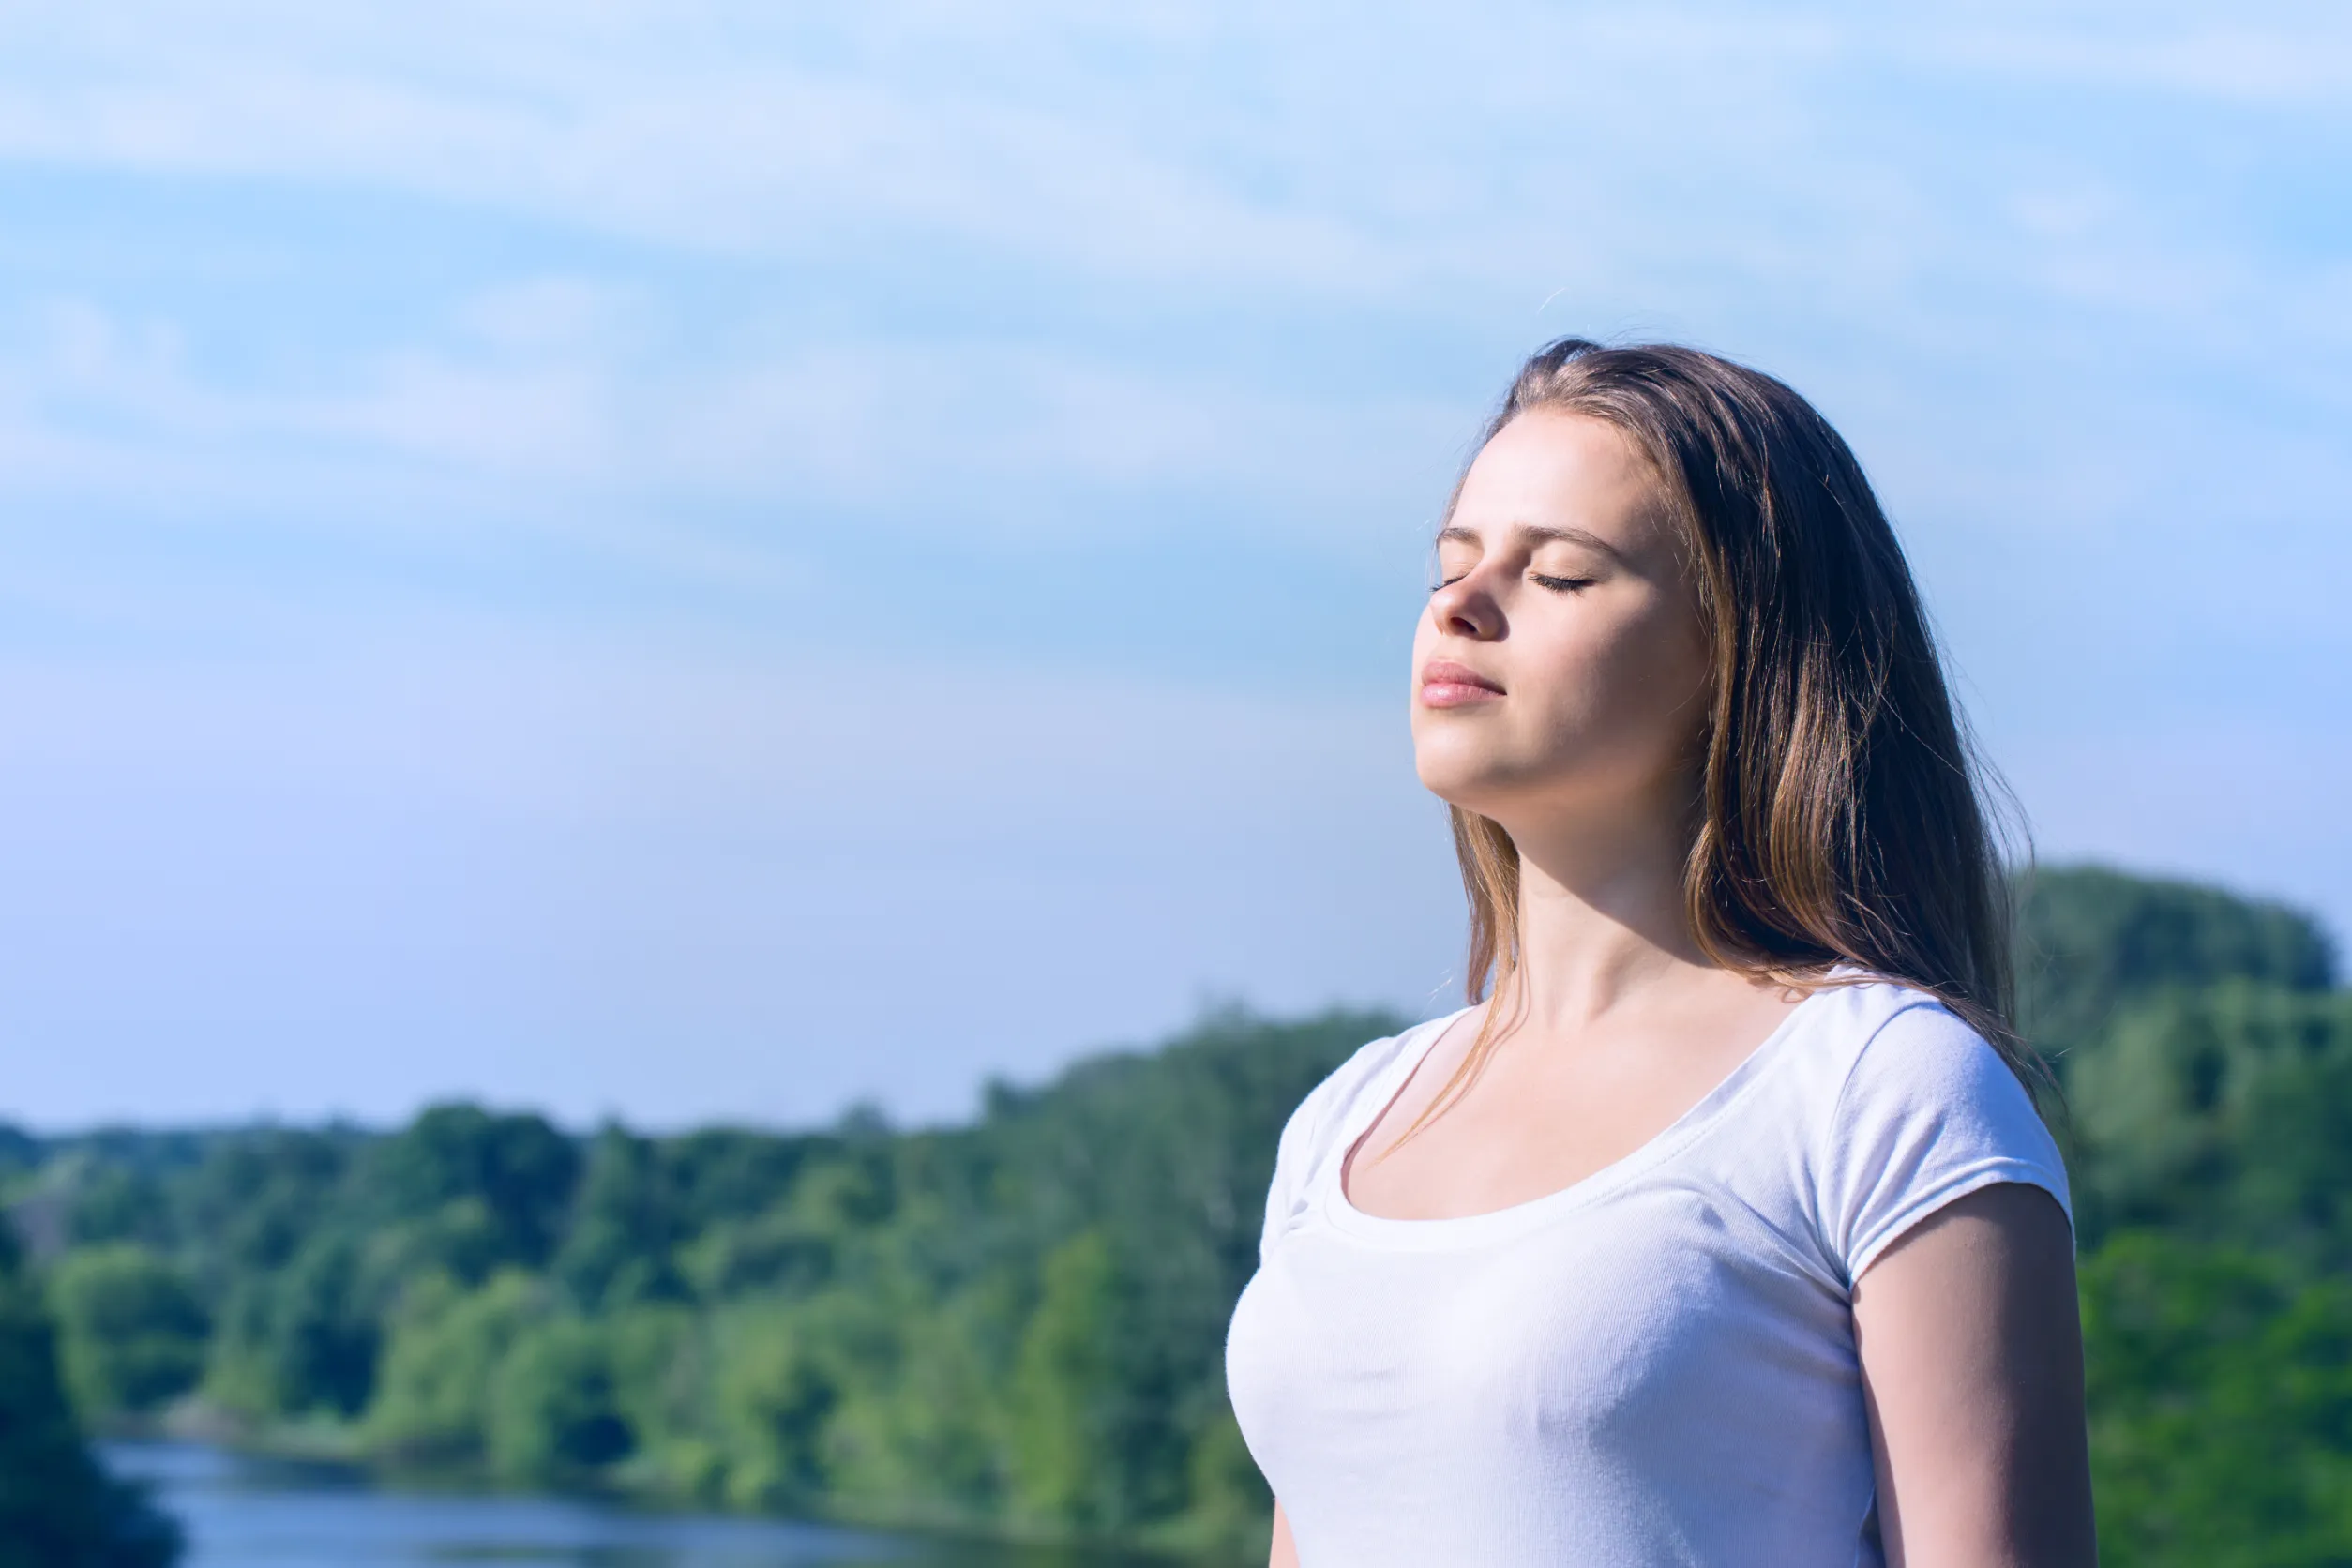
<point>1840,816</point>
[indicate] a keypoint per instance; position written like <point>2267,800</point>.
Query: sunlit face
<point>1562,666</point>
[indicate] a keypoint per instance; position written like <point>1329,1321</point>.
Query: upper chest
<point>1529,1121</point>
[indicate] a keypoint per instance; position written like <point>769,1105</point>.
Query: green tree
<point>721,1173</point>
<point>554,1412</point>
<point>321,1338</point>
<point>779,1252</point>
<point>119,1203</point>
<point>2091,939</point>
<point>134,1331</point>
<point>58,1509</point>
<point>794,1247</point>
<point>660,1357</point>
<point>776,1395</point>
<point>1066,1405</point>
<point>21,1152</point>
<point>625,1224</point>
<point>2220,1400</point>
<point>2220,1112</point>
<point>500,1186</point>
<point>256,1197</point>
<point>1233,1509</point>
<point>441,1364</point>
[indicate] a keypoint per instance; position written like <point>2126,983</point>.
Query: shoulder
<point>1311,1136</point>
<point>1352,1087</point>
<point>1910,1109</point>
<point>1866,1038</point>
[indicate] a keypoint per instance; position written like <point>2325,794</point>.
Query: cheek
<point>1667,658</point>
<point>1638,685</point>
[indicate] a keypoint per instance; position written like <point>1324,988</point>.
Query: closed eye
<point>1560,584</point>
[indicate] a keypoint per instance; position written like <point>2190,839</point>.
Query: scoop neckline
<point>1511,1219</point>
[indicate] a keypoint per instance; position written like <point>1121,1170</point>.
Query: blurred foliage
<point>2207,1059</point>
<point>2092,940</point>
<point>1019,1322</point>
<point>58,1508</point>
<point>1012,1324</point>
<point>2220,1393</point>
<point>133,1330</point>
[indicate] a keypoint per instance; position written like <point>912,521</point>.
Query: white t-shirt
<point>1653,1366</point>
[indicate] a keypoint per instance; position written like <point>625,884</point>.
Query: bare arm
<point>1284,1553</point>
<point>1971,1353</point>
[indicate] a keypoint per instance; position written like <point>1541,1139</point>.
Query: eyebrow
<point>1534,534</point>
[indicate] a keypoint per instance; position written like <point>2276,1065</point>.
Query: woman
<point>1723,1231</point>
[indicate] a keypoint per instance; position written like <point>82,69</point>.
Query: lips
<point>1447,684</point>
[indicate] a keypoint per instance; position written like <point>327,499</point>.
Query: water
<point>244,1511</point>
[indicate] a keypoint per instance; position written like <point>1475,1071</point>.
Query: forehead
<point>1547,469</point>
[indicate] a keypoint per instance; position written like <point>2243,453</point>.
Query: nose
<point>1464,608</point>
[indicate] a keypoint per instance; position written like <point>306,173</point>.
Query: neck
<point>1601,918</point>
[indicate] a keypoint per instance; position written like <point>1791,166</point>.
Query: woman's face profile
<point>1562,664</point>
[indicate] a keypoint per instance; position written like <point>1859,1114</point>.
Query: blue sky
<point>681,562</point>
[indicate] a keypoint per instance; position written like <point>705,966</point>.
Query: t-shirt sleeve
<point>1929,1113</point>
<point>1293,1157</point>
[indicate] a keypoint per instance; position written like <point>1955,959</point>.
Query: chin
<point>1471,788</point>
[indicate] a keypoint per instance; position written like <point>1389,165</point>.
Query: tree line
<point>1018,1324</point>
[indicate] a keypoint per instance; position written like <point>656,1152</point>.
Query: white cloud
<point>2275,57</point>
<point>713,146</point>
<point>556,398</point>
<point>1716,172</point>
<point>1348,153</point>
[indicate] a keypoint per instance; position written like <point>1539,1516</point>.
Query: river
<point>245,1512</point>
